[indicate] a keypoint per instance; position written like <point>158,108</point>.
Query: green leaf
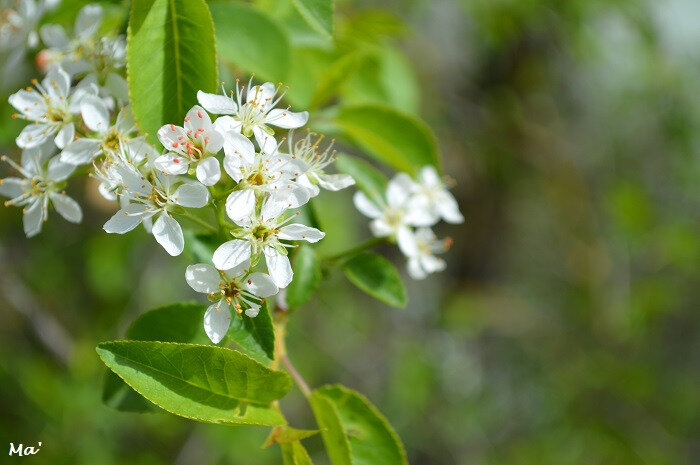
<point>307,277</point>
<point>376,276</point>
<point>318,13</point>
<point>397,139</point>
<point>251,40</point>
<point>367,178</point>
<point>295,454</point>
<point>181,322</point>
<point>170,56</point>
<point>255,335</point>
<point>118,395</point>
<point>332,431</point>
<point>334,76</point>
<point>349,415</point>
<point>204,383</point>
<point>286,434</point>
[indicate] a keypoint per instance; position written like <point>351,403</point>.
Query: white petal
<point>67,207</point>
<point>172,163</point>
<point>231,253</point>
<point>260,284</point>
<point>365,205</point>
<point>226,124</point>
<point>88,21</point>
<point>203,278</point>
<point>274,206</point>
<point>12,187</point>
<point>306,183</point>
<point>214,141</point>
<point>287,119</point>
<point>125,219</point>
<point>209,171</point>
<point>253,310</point>
<point>191,195</point>
<point>168,233</point>
<point>59,170</point>
<point>399,189</point>
<point>266,142</point>
<point>81,151</point>
<point>65,135</point>
<point>79,93</point>
<point>448,208</point>
<point>117,87</point>
<point>240,204</point>
<point>414,268</point>
<point>57,84</point>
<point>335,182</point>
<point>428,176</point>
<point>217,320</point>
<point>238,146</point>
<point>197,120</point>
<point>216,104</point>
<point>238,270</point>
<point>133,181</point>
<point>28,102</point>
<point>262,94</point>
<point>432,264</point>
<point>380,228</point>
<point>172,137</point>
<point>421,212</point>
<point>406,241</point>
<point>296,232</point>
<point>33,218</point>
<point>53,36</point>
<point>33,135</point>
<point>95,113</point>
<point>278,266</point>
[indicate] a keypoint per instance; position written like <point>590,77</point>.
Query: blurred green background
<point>566,329</point>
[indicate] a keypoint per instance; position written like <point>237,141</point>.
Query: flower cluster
<point>406,212</point>
<point>226,160</point>
<point>68,115</point>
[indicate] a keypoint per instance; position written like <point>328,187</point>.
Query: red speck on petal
<point>172,127</point>
<point>176,160</point>
<point>187,120</point>
<point>175,144</point>
<point>199,113</point>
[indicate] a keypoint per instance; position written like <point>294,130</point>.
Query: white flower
<point>236,287</point>
<point>393,216</point>
<point>263,233</point>
<point>42,183</point>
<point>105,138</point>
<point>264,172</point>
<point>253,115</point>
<point>196,143</point>
<point>106,171</point>
<point>315,162</point>
<point>50,106</point>
<point>433,200</point>
<point>144,199</point>
<point>97,58</point>
<point>420,248</point>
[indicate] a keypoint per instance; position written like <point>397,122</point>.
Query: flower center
<point>256,179</point>
<point>394,217</point>
<point>262,232</point>
<point>111,142</point>
<point>55,114</point>
<point>231,290</point>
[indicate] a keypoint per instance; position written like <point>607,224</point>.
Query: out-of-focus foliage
<point>565,329</point>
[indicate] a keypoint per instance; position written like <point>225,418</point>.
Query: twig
<point>303,386</point>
